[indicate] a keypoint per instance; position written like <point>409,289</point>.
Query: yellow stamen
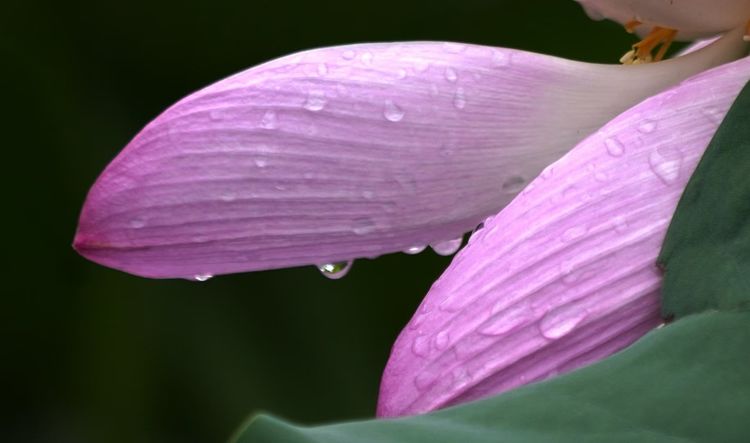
<point>641,52</point>
<point>631,25</point>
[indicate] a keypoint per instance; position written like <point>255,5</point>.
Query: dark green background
<point>94,355</point>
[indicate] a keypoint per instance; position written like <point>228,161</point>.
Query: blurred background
<point>94,355</point>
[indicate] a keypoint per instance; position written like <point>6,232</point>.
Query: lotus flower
<point>338,153</point>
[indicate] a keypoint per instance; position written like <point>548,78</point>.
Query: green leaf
<point>686,382</point>
<point>706,254</point>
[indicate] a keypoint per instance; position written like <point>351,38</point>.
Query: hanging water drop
<point>414,250</point>
<point>447,247</point>
<point>202,277</point>
<point>336,270</point>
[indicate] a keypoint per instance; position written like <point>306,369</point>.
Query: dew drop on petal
<point>500,59</point>
<point>425,379</point>
<point>414,250</point>
<point>348,54</point>
<point>137,223</point>
<point>614,147</point>
<point>401,74</point>
<point>316,100</point>
<point>227,197</point>
<point>666,164</point>
<point>202,277</point>
<point>367,58</point>
<point>322,69</point>
<point>647,126</point>
<point>714,115</point>
<point>459,99</point>
<point>442,339</point>
<point>393,112</point>
<point>335,271</point>
<point>620,224</point>
<point>269,120</point>
<point>561,321</point>
<point>363,225</point>
<point>506,319</point>
<point>260,163</point>
<point>420,346</point>
<point>450,74</point>
<point>447,247</point>
<point>573,233</point>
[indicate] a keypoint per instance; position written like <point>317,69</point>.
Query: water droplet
<point>459,99</point>
<point>401,74</point>
<point>322,69</point>
<point>500,59</point>
<point>227,197</point>
<point>666,163</point>
<point>269,120</point>
<point>567,269</point>
<point>348,54</point>
<point>620,224</point>
<point>421,346</point>
<point>573,233</point>
<point>506,319</point>
<point>601,176</point>
<point>713,114</point>
<point>421,65</point>
<point>647,126</point>
<point>392,112</point>
<point>425,379</point>
<point>450,74</point>
<point>202,277</point>
<point>367,58</point>
<point>614,147</point>
<point>414,250</point>
<point>561,321</point>
<point>461,378</point>
<point>261,163</point>
<point>513,184</point>
<point>368,195</point>
<point>316,100</point>
<point>442,339</point>
<point>447,247</point>
<point>335,271</point>
<point>215,114</point>
<point>363,225</point>
<point>137,223</point>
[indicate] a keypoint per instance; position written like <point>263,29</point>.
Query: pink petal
<point>565,275</point>
<point>348,152</point>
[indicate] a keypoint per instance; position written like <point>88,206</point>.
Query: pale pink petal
<point>566,274</point>
<point>692,18</point>
<point>348,152</point>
